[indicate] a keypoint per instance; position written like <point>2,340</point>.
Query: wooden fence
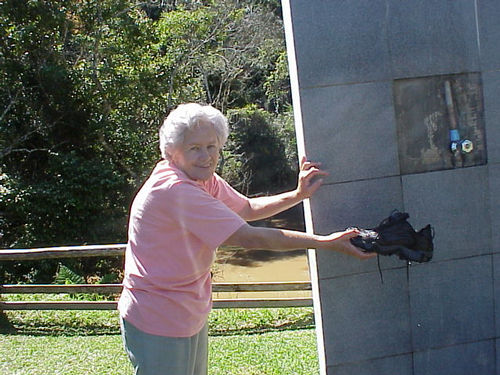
<point>118,250</point>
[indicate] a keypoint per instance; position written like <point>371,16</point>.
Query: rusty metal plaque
<point>440,122</point>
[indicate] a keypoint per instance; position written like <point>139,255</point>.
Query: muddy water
<point>260,266</point>
<point>239,265</point>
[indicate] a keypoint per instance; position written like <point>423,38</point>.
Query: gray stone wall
<point>437,318</point>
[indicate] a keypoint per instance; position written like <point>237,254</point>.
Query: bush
<point>257,157</point>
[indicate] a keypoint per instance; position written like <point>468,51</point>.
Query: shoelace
<point>408,264</point>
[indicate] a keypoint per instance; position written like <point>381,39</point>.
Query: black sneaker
<point>395,236</point>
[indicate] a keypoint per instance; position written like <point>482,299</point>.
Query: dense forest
<point>85,85</point>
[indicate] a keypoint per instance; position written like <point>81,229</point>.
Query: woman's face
<point>198,155</point>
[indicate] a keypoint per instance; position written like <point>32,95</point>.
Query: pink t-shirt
<point>175,227</point>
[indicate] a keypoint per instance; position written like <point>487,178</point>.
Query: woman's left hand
<point>308,184</point>
<point>341,242</point>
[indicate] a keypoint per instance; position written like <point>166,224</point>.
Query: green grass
<point>68,355</point>
<point>242,341</point>
<point>272,353</point>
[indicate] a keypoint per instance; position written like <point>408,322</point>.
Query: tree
<point>255,159</point>
<point>85,84</point>
<point>62,141</point>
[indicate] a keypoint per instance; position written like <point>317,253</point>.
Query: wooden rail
<point>118,250</point>
<point>63,252</point>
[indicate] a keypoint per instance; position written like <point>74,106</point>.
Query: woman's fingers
<point>349,248</point>
<point>362,254</point>
<point>306,165</point>
<point>310,172</point>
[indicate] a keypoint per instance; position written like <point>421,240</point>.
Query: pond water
<point>240,265</point>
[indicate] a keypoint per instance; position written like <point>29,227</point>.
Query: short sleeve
<point>221,190</point>
<point>201,214</point>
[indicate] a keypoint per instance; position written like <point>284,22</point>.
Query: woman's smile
<point>198,155</point>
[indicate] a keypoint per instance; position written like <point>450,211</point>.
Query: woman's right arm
<point>250,237</point>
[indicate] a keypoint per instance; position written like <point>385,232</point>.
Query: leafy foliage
<point>67,276</point>
<point>84,85</point>
<point>255,154</point>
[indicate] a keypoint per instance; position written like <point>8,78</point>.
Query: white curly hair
<point>188,116</point>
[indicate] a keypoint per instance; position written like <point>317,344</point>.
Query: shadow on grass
<point>19,323</point>
<point>45,327</point>
<point>5,324</point>
<point>59,330</point>
<point>305,322</point>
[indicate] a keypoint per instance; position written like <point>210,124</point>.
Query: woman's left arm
<point>264,207</point>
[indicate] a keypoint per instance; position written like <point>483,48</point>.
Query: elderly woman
<point>182,213</point>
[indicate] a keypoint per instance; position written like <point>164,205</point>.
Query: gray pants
<point>159,355</point>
